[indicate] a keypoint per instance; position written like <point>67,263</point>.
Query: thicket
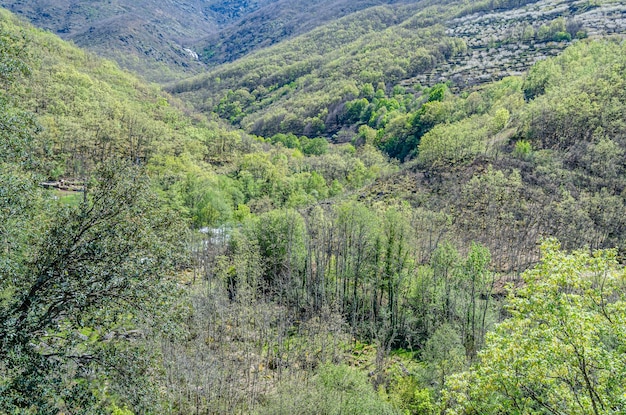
<point>76,281</point>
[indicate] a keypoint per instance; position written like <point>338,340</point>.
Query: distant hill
<point>167,41</point>
<point>164,41</point>
<point>149,37</point>
<point>303,84</point>
<point>273,23</point>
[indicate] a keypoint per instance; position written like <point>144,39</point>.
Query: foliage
<point>561,349</point>
<point>279,236</point>
<point>447,145</point>
<point>523,149</point>
<point>93,272</point>
<point>286,284</point>
<point>407,396</point>
<point>77,280</point>
<point>334,390</point>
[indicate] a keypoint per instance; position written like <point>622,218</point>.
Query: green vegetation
<point>79,281</point>
<point>89,111</point>
<point>561,350</point>
<point>75,279</point>
<point>361,69</point>
<point>300,86</point>
<point>335,390</point>
<point>393,269</point>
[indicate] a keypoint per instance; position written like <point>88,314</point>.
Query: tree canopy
<point>561,349</point>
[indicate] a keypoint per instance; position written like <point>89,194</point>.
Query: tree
<point>444,355</point>
<point>280,235</point>
<point>73,302</point>
<point>561,351</point>
<point>451,144</point>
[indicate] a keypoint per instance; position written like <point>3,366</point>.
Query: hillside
<point>523,157</point>
<point>302,85</point>
<point>423,265</point>
<point>166,41</point>
<point>97,275</point>
<point>450,249</point>
<point>296,86</point>
<point>150,37</point>
<point>507,42</point>
<point>274,23</point>
<point>89,111</point>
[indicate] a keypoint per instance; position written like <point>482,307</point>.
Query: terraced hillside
<point>303,85</point>
<point>508,42</point>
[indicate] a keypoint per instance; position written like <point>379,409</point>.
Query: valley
<point>331,207</point>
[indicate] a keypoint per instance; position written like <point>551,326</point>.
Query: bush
<point>334,390</point>
<point>523,150</point>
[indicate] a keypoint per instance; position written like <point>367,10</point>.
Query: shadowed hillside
<point>274,23</point>
<point>150,37</point>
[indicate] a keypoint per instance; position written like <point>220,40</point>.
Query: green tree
<point>444,355</point>
<point>334,390</point>
<point>450,144</point>
<point>280,236</point>
<point>561,351</point>
<point>92,273</point>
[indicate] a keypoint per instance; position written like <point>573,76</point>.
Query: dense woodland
<point>319,83</point>
<point>448,251</point>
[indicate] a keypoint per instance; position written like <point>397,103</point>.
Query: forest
<point>314,236</point>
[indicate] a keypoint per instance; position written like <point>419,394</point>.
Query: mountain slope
<point>162,39</point>
<point>147,36</point>
<point>88,111</point>
<point>526,158</point>
<point>302,85</point>
<point>293,86</point>
<point>274,23</point>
